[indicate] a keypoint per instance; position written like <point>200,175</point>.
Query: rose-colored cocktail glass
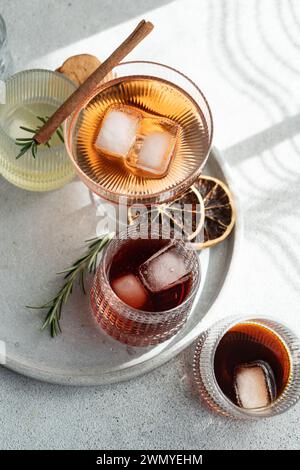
<point>157,90</point>
<point>133,325</point>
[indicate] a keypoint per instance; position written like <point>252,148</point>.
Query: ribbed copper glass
<point>133,326</point>
<point>155,90</point>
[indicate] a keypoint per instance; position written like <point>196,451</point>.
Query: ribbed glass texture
<point>209,390</point>
<point>129,325</point>
<point>155,90</point>
<point>52,167</point>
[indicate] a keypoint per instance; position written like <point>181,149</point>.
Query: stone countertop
<point>245,56</point>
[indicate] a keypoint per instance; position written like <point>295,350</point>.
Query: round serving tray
<point>43,233</point>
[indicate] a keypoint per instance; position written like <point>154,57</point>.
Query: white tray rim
<point>82,379</point>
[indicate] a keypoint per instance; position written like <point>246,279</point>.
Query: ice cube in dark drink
<point>126,308</point>
<point>163,270</point>
<point>155,273</point>
<point>251,365</point>
<point>130,290</point>
<point>254,385</point>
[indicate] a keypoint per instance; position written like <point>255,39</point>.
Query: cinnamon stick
<point>48,129</point>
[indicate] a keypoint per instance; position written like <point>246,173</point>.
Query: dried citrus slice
<point>185,214</point>
<point>208,204</point>
<point>220,212</point>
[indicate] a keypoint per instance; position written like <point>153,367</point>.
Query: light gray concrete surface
<point>245,56</point>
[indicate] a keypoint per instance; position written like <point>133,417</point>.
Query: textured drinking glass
<point>129,325</point>
<point>204,370</point>
<point>29,94</point>
<point>156,90</point>
<point>5,57</point>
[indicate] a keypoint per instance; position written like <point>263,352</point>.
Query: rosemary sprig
<point>86,263</point>
<point>28,143</point>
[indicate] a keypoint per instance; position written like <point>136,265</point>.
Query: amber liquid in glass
<point>138,331</point>
<point>152,97</point>
<point>246,343</point>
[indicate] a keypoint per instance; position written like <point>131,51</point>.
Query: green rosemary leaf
<point>27,129</point>
<point>53,312</point>
<point>68,292</point>
<point>91,263</point>
<point>42,119</point>
<point>68,270</point>
<point>53,329</point>
<point>23,150</point>
<point>41,307</point>
<point>29,143</point>
<point>60,135</point>
<point>47,319</point>
<point>82,282</point>
<point>20,143</point>
<point>95,239</point>
<point>34,149</point>
<point>57,327</point>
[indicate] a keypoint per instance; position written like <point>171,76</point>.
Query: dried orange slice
<point>185,215</point>
<point>207,205</point>
<point>220,212</point>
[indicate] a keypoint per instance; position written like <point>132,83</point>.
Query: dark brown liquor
<point>248,343</point>
<point>128,260</point>
<point>144,288</point>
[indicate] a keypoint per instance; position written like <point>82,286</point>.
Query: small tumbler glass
<point>205,377</point>
<point>133,326</point>
<point>29,94</point>
<point>5,57</point>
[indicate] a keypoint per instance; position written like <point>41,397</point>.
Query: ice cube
<point>130,290</point>
<point>164,269</point>
<point>118,131</point>
<point>254,385</point>
<point>154,147</point>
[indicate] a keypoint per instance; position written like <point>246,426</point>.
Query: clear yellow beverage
<point>30,94</point>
